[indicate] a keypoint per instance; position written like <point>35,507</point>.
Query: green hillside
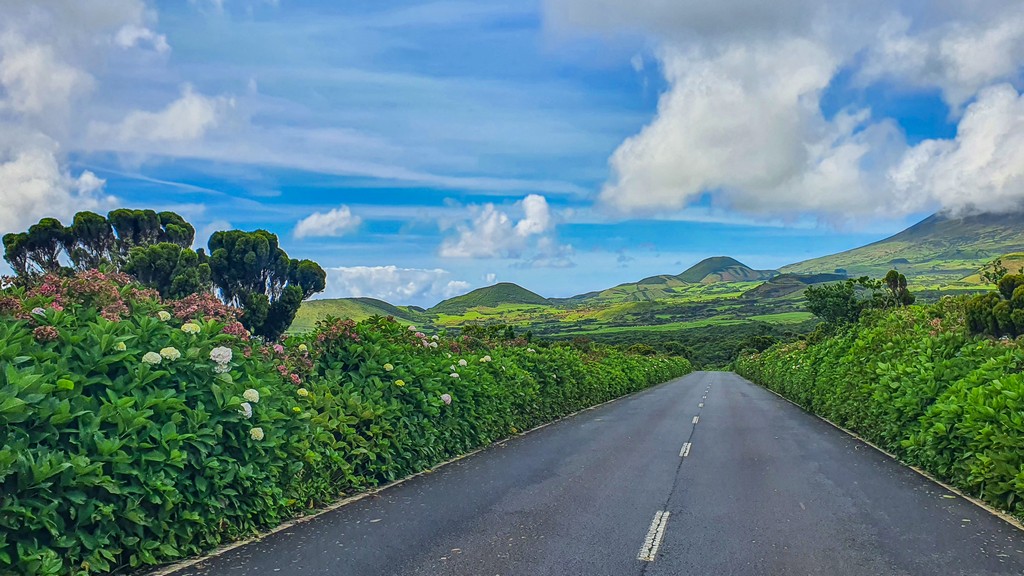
<point>503,293</point>
<point>938,247</point>
<point>722,269</point>
<point>355,308</point>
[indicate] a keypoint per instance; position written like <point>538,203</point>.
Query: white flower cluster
<point>221,356</point>
<point>486,358</point>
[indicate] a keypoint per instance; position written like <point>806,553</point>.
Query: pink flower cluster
<point>46,333</point>
<point>202,306</point>
<point>236,329</point>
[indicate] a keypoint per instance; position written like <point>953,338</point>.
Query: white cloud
<point>741,119</point>
<point>132,35</point>
<point>959,57</point>
<point>184,120</point>
<point>393,284</point>
<point>493,233</point>
<point>49,52</point>
<point>337,222</point>
<point>34,186</point>
<point>983,168</point>
<point>36,81</point>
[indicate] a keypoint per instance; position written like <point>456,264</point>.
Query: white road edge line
<point>685,450</point>
<point>695,419</point>
<point>649,551</point>
<point>701,405</point>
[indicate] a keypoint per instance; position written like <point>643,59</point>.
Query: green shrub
<point>914,382</point>
<point>129,438</point>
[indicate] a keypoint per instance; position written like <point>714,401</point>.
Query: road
<point>664,482</point>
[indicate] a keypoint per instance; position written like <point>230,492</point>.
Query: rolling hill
<point>723,269</point>
<point>939,246</point>
<point>503,293</point>
<point>355,308</point>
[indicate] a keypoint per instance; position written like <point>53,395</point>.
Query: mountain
<point>355,308</point>
<point>723,269</point>
<point>937,246</point>
<point>490,297</point>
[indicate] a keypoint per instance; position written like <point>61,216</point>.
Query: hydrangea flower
<point>530,350</point>
<point>279,348</point>
<point>222,369</point>
<point>446,398</point>
<point>120,346</point>
<point>245,409</point>
<point>303,348</point>
<point>46,333</point>
<point>252,395</point>
<point>433,344</point>
<point>256,433</point>
<point>412,328</point>
<point>302,392</point>
<point>420,335</point>
<point>221,355</point>
<point>388,367</point>
<point>486,358</point>
<point>190,328</point>
<point>163,315</point>
<point>39,311</point>
<point>463,363</point>
<point>454,374</point>
<point>434,338</point>
<point>170,353</point>
<point>151,358</point>
<point>399,383</point>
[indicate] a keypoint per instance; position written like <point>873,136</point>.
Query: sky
<point>418,150</point>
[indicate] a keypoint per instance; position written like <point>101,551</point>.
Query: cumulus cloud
<point>336,222</point>
<point>741,120</point>
<point>49,54</point>
<point>133,35</point>
<point>981,169</point>
<point>34,186</point>
<point>493,233</point>
<point>184,120</point>
<point>393,284</point>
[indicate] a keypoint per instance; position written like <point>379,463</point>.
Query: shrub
<point>914,382</point>
<point>132,436</point>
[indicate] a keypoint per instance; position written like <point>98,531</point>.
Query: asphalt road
<point>763,488</point>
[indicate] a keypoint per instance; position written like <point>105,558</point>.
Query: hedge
<point>136,432</point>
<point>915,383</point>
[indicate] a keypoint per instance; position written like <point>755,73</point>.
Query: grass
<point>783,317</point>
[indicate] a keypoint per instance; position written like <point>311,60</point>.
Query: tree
<point>16,252</point>
<point>43,245</point>
<point>173,271</point>
<point>134,228</point>
<point>899,295</point>
<point>841,303</point>
<point>251,272</point>
<point>90,241</point>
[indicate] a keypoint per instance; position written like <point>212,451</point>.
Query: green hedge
<point>128,440</point>
<point>913,382</point>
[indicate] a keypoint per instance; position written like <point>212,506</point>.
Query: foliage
<point>999,313</point>
<point>170,269</point>
<point>131,435</point>
<point>843,303</point>
<point>914,382</point>
<point>253,273</point>
<point>92,241</point>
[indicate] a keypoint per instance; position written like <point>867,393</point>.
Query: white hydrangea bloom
<point>151,358</point>
<point>251,395</point>
<point>221,355</point>
<point>246,409</point>
<point>256,433</point>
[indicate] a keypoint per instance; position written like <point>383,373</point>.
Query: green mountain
<point>355,308</point>
<point>723,269</point>
<point>938,246</point>
<point>489,297</point>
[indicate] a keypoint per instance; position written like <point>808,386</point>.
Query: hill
<point>723,269</point>
<point>939,246</point>
<point>355,308</point>
<point>503,293</point>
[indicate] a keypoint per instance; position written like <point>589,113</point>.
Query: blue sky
<point>421,149</point>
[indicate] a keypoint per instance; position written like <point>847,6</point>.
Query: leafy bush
<point>914,382</point>
<point>136,431</point>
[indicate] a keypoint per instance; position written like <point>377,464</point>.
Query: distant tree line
<point>842,303</point>
<point>248,270</point>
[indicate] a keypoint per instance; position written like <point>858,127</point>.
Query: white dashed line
<point>685,450</point>
<point>649,550</point>
<point>701,405</point>
<point>695,419</point>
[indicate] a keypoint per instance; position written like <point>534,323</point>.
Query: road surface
<point>704,475</point>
